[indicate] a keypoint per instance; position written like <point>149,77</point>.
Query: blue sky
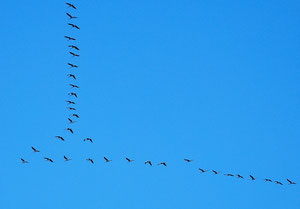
<point>213,81</point>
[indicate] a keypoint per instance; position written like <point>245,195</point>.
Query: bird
<point>73,94</point>
<point>71,76</point>
<point>71,121</point>
<point>71,108</point>
<point>269,180</point>
<point>35,150</point>
<point>129,160</point>
<point>290,181</point>
<point>75,115</point>
<point>73,26</point>
<point>148,162</point>
<point>72,65</point>
<point>106,160</point>
<point>278,182</point>
<point>70,38</point>
<point>228,174</point>
<point>73,47</point>
<point>24,161</point>
<point>74,55</point>
<point>74,86</point>
<point>67,159</point>
<point>70,102</point>
<point>162,163</point>
<point>91,160</point>
<point>187,160</point>
<point>48,159</point>
<point>88,139</point>
<point>202,170</point>
<point>59,137</point>
<point>69,129</point>
<point>71,17</point>
<point>239,176</point>
<point>71,5</point>
<point>252,178</point>
<point>215,172</point>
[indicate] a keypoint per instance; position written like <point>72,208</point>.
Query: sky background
<point>213,81</point>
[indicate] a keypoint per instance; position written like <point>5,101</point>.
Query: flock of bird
<point>73,52</point>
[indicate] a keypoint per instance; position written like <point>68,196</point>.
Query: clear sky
<point>213,81</point>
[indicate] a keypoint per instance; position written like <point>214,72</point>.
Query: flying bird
<point>187,160</point>
<point>35,150</point>
<point>73,26</point>
<point>290,181</point>
<point>88,139</point>
<point>70,102</point>
<point>91,160</point>
<point>67,159</point>
<point>71,76</point>
<point>269,180</point>
<point>228,174</point>
<point>106,160</point>
<point>149,162</point>
<point>74,55</point>
<point>71,108</point>
<point>71,17</point>
<point>24,161</point>
<point>239,176</point>
<point>73,47</point>
<point>71,121</point>
<point>215,172</point>
<point>278,182</point>
<point>69,129</point>
<point>202,170</point>
<point>70,38</point>
<point>162,163</point>
<point>71,5</point>
<point>129,160</point>
<point>59,137</point>
<point>75,115</point>
<point>48,159</point>
<point>74,86</point>
<point>73,94</point>
<point>72,65</point>
<point>252,178</point>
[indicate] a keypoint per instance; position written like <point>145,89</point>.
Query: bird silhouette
<point>148,162</point>
<point>66,159</point>
<point>75,115</point>
<point>162,163</point>
<point>72,65</point>
<point>73,47</point>
<point>71,5</point>
<point>91,160</point>
<point>69,129</point>
<point>129,160</point>
<point>70,102</point>
<point>48,159</point>
<point>73,94</point>
<point>74,55</point>
<point>202,170</point>
<point>59,137</point>
<point>24,161</point>
<point>70,38</point>
<point>71,121</point>
<point>106,160</point>
<point>269,180</point>
<point>187,160</point>
<point>215,172</point>
<point>228,174</point>
<point>278,182</point>
<point>239,176</point>
<point>73,26</point>
<point>88,139</point>
<point>35,150</point>
<point>71,76</point>
<point>71,108</point>
<point>71,17</point>
<point>290,181</point>
<point>74,86</point>
<point>252,178</point>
